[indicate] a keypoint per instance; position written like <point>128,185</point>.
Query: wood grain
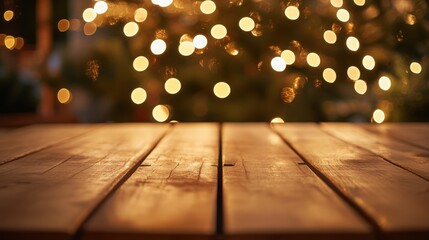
<point>23,141</point>
<point>394,198</point>
<point>48,194</point>
<point>270,192</point>
<point>171,195</point>
<point>410,157</point>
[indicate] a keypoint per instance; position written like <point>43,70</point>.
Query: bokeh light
<point>186,48</point>
<point>200,41</point>
<point>337,3</point>
<point>360,87</point>
<point>330,36</point>
<point>221,90</point>
<point>140,15</point>
<point>352,43</point>
<point>278,64</point>
<point>158,46</point>
<point>368,62</point>
<point>131,29</point>
<point>140,63</point>
<point>8,15</point>
<point>288,56</point>
<point>164,3</point>
<point>101,7</point>
<point>353,73</point>
<point>384,83</point>
<point>359,2</point>
<point>138,95</point>
<point>208,7</point>
<point>9,42</point>
<point>277,120</point>
<point>292,13</point>
<point>343,15</point>
<point>378,116</point>
<point>63,25</point>
<point>89,28</point>
<point>329,75</point>
<point>64,96</point>
<point>218,31</point>
<point>313,59</point>
<point>89,15</point>
<point>415,67</point>
<point>172,85</point>
<point>160,113</point>
<point>246,24</point>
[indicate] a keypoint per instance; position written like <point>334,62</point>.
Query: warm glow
<point>172,85</point>
<point>131,29</point>
<point>278,64</point>
<point>277,120</point>
<point>140,63</point>
<point>186,48</point>
<point>337,3</point>
<point>164,3</point>
<point>140,15</point>
<point>288,56</point>
<point>353,73</point>
<point>330,36</point>
<point>360,87</point>
<point>218,31</point>
<point>89,15</point>
<point>138,95</point>
<point>378,116</point>
<point>208,7</point>
<point>100,7</point>
<point>221,89</point>
<point>415,67</point>
<point>246,24</point>
<point>359,2</point>
<point>329,75</point>
<point>352,43</point>
<point>313,59</point>
<point>10,42</point>
<point>89,28</point>
<point>343,15</point>
<point>63,25</point>
<point>19,43</point>
<point>292,12</point>
<point>200,41</point>
<point>158,46</point>
<point>384,83</point>
<point>8,15</point>
<point>160,113</point>
<point>368,62</point>
<point>64,96</point>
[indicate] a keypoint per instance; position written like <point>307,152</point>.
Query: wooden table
<point>215,181</point>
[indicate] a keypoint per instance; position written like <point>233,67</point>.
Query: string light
<point>208,7</point>
<point>138,95</point>
<point>384,83</point>
<point>140,15</point>
<point>186,48</point>
<point>313,59</point>
<point>329,75</point>
<point>352,43</point>
<point>131,29</point>
<point>140,63</point>
<point>278,64</point>
<point>172,85</point>
<point>343,15</point>
<point>89,15</point>
<point>360,87</point>
<point>221,90</point>
<point>288,56</point>
<point>353,73</point>
<point>292,13</point>
<point>218,31</point>
<point>378,116</point>
<point>330,36</point>
<point>158,46</point>
<point>368,62</point>
<point>200,41</point>
<point>246,24</point>
<point>160,113</point>
<point>415,67</point>
<point>101,7</point>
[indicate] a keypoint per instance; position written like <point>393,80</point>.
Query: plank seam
<point>80,231</point>
<point>370,151</point>
<point>354,206</point>
<point>219,200</point>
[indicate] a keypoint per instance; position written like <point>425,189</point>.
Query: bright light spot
<point>378,116</point>
<point>63,25</point>
<point>138,95</point>
<point>89,15</point>
<point>359,2</point>
<point>353,73</point>
<point>221,89</point>
<point>200,41</point>
<point>19,43</point>
<point>337,3</point>
<point>9,42</point>
<point>140,63</point>
<point>410,19</point>
<point>186,48</point>
<point>292,13</point>
<point>384,83</point>
<point>89,28</point>
<point>360,87</point>
<point>140,15</point>
<point>64,96</point>
<point>208,7</point>
<point>277,120</point>
<point>165,3</point>
<point>415,67</point>
<point>313,59</point>
<point>352,43</point>
<point>343,15</point>
<point>278,64</point>
<point>288,56</point>
<point>330,36</point>
<point>172,85</point>
<point>329,75</point>
<point>131,29</point>
<point>100,7</point>
<point>160,113</point>
<point>155,2</point>
<point>158,46</point>
<point>218,31</point>
<point>8,15</point>
<point>368,62</point>
<point>246,24</point>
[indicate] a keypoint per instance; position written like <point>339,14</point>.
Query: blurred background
<point>229,60</point>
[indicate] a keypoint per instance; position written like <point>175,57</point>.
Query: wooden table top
<point>161,181</point>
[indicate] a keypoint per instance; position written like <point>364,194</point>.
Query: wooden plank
<point>269,191</point>
<point>49,194</point>
<point>395,199</point>
<point>413,133</point>
<point>172,194</point>
<point>412,158</point>
<point>23,141</point>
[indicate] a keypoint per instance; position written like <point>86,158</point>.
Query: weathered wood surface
<point>173,192</point>
<point>50,193</point>
<point>412,158</point>
<point>268,190</point>
<point>395,199</point>
<point>23,141</point>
